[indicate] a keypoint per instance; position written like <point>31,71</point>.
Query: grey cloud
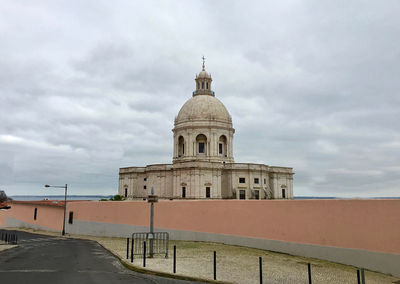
<point>86,88</point>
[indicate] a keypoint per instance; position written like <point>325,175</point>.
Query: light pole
<point>151,224</point>
<point>152,199</point>
<point>65,202</point>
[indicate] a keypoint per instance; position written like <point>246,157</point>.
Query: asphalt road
<point>46,259</point>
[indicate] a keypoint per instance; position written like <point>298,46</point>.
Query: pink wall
<point>3,217</point>
<point>372,225</point>
<point>47,216</point>
<point>360,224</point>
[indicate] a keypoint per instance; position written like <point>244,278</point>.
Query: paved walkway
<point>240,264</point>
<point>47,259</point>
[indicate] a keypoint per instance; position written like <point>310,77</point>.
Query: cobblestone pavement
<point>241,265</point>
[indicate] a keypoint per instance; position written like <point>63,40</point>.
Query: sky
<point>87,87</point>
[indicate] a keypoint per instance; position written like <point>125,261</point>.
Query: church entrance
<point>242,194</point>
<point>208,192</point>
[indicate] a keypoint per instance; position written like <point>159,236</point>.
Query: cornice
<point>177,128</point>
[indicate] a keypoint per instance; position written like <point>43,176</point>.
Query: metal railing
<point>8,238</point>
<point>159,242</point>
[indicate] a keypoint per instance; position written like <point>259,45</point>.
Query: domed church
<point>203,166</point>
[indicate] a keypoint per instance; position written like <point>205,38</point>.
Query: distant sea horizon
<point>58,197</point>
<point>98,197</point>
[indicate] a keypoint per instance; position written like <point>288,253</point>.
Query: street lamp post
<point>151,224</point>
<point>152,199</point>
<point>65,202</point>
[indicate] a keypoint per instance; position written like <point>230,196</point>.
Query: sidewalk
<point>241,265</point>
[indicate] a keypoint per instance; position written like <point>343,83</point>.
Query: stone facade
<point>203,164</point>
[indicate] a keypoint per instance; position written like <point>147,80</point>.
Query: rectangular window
<point>145,179</point>
<point>256,180</point>
<point>256,194</point>
<point>242,194</point>
<point>242,180</point>
<point>144,187</point>
<point>183,192</point>
<point>183,149</point>
<point>265,181</point>
<point>208,192</point>
<point>201,147</point>
<point>71,217</point>
<point>35,214</point>
<point>220,148</point>
<point>202,85</point>
<point>207,85</point>
<point>283,193</point>
<point>126,192</point>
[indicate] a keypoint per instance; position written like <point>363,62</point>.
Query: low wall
<point>2,218</point>
<point>48,217</point>
<point>364,233</point>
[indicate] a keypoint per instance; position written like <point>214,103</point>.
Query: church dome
<point>204,74</point>
<point>203,107</point>
<point>203,129</point>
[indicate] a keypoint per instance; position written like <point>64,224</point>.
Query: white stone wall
<point>132,179</point>
<point>195,180</point>
<point>250,172</point>
<point>282,178</point>
<point>139,181</point>
<point>195,176</point>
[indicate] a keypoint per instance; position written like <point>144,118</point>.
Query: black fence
<point>9,238</point>
<point>157,243</point>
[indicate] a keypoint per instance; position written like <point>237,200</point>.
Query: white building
<point>203,164</point>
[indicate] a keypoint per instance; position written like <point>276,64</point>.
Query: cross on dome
<point>203,82</point>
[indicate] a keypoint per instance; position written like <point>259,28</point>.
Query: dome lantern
<point>203,82</point>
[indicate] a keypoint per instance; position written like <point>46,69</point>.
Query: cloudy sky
<point>87,87</point>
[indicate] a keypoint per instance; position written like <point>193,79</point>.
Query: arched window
<point>202,85</point>
<point>198,85</point>
<point>222,148</point>
<point>181,146</point>
<point>207,85</point>
<point>201,141</point>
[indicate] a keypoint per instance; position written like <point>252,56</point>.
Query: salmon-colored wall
<point>360,224</point>
<point>2,218</point>
<point>372,225</point>
<point>47,216</point>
